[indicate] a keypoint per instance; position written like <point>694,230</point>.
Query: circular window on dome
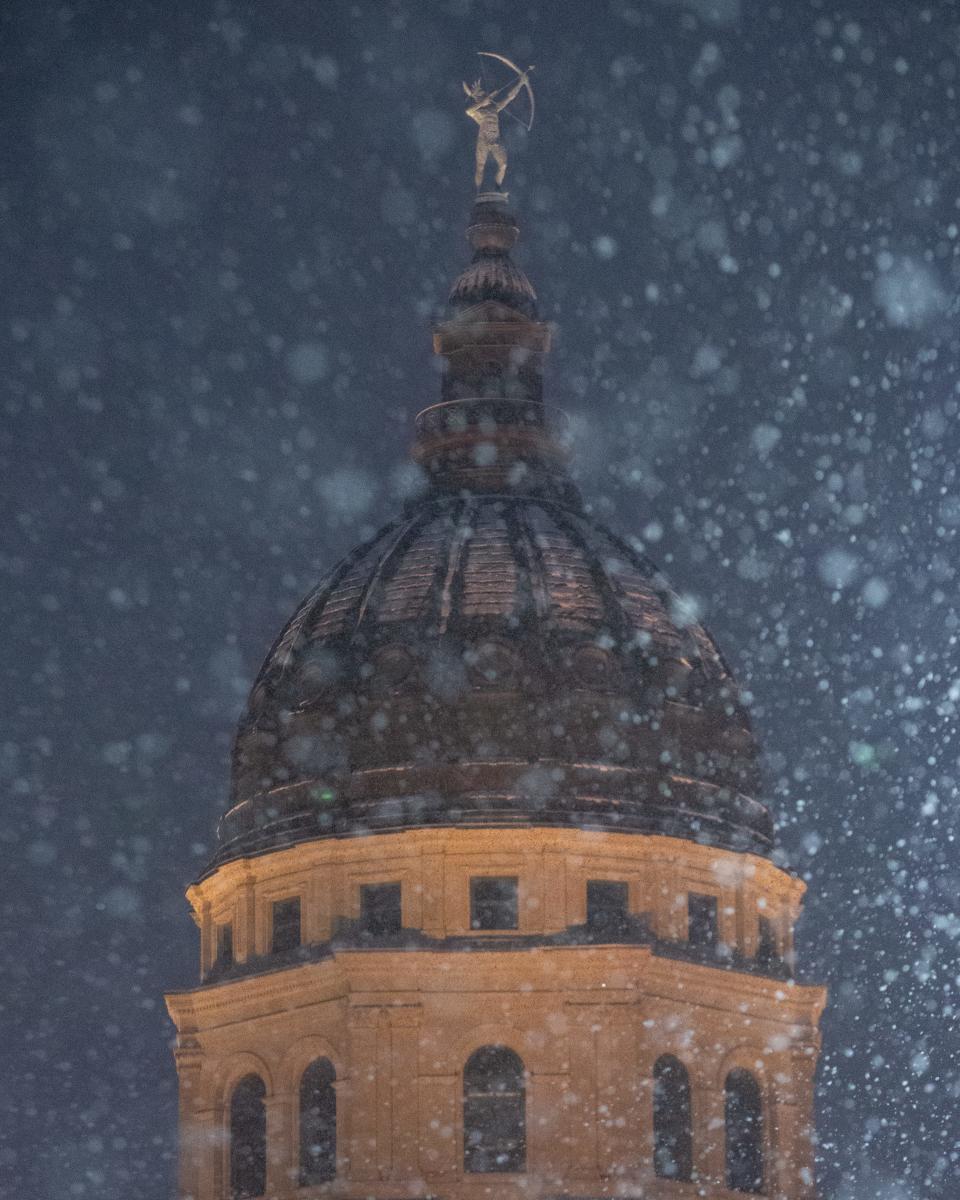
<point>698,688</point>
<point>595,667</point>
<point>321,667</point>
<point>391,666</point>
<point>491,664</point>
<point>676,673</point>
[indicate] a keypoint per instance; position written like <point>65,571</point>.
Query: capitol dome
<point>494,656</point>
<point>492,911</point>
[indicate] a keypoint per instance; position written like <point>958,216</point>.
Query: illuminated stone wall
<point>588,1017</point>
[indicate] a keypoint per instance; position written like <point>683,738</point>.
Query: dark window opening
<point>380,909</point>
<point>318,1123</point>
<point>248,1139</point>
<point>743,1119</point>
<point>766,942</point>
<point>286,925</point>
<point>607,902</point>
<point>491,379</point>
<point>225,945</point>
<point>702,924</point>
<point>493,903</point>
<point>494,1112</point>
<point>672,1124</point>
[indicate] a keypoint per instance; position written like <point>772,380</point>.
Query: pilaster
<point>203,1154</point>
<point>364,1121</point>
<point>584,1156</point>
<point>283,1156</point>
<point>196,1123</point>
<point>616,1089</point>
<point>404,1092</point>
<point>208,947</point>
<point>384,1094</point>
<point>245,946</point>
<point>709,1144</point>
<point>439,1145</point>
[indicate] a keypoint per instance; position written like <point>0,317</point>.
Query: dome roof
<point>493,660</point>
<point>493,275</point>
<point>494,656</point>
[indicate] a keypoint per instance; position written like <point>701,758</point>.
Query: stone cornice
<point>399,977</point>
<point>650,848</point>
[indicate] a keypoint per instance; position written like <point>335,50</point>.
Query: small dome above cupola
<point>493,275</point>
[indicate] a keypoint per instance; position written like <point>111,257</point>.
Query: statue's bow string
<point>526,83</point>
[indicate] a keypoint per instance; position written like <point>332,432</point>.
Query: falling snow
<point>227,229</point>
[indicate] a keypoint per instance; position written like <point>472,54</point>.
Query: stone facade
<point>588,1018</point>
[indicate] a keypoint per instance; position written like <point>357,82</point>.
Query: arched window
<point>494,1116</point>
<point>248,1139</point>
<point>743,1118</point>
<point>672,1136</point>
<point>318,1123</point>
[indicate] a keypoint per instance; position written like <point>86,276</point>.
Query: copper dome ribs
<point>452,588</point>
<point>493,276</point>
<point>493,584</point>
<point>533,587</point>
<point>490,629</point>
<point>341,581</point>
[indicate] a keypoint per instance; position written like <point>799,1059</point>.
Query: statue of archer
<point>485,108</point>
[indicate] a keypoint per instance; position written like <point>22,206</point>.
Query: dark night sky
<point>226,228</point>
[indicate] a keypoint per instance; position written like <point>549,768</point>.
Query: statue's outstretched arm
<point>512,94</point>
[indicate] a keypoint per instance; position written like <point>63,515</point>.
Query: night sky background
<point>226,229</point>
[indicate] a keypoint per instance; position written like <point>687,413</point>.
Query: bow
<point>526,82</point>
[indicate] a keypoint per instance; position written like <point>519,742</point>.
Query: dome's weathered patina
<point>494,656</point>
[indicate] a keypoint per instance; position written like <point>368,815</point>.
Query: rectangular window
<point>286,925</point>
<point>607,905</point>
<point>225,945</point>
<point>493,902</point>
<point>380,909</point>
<point>702,925</point>
<point>766,942</point>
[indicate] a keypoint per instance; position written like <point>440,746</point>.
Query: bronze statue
<point>485,109</point>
